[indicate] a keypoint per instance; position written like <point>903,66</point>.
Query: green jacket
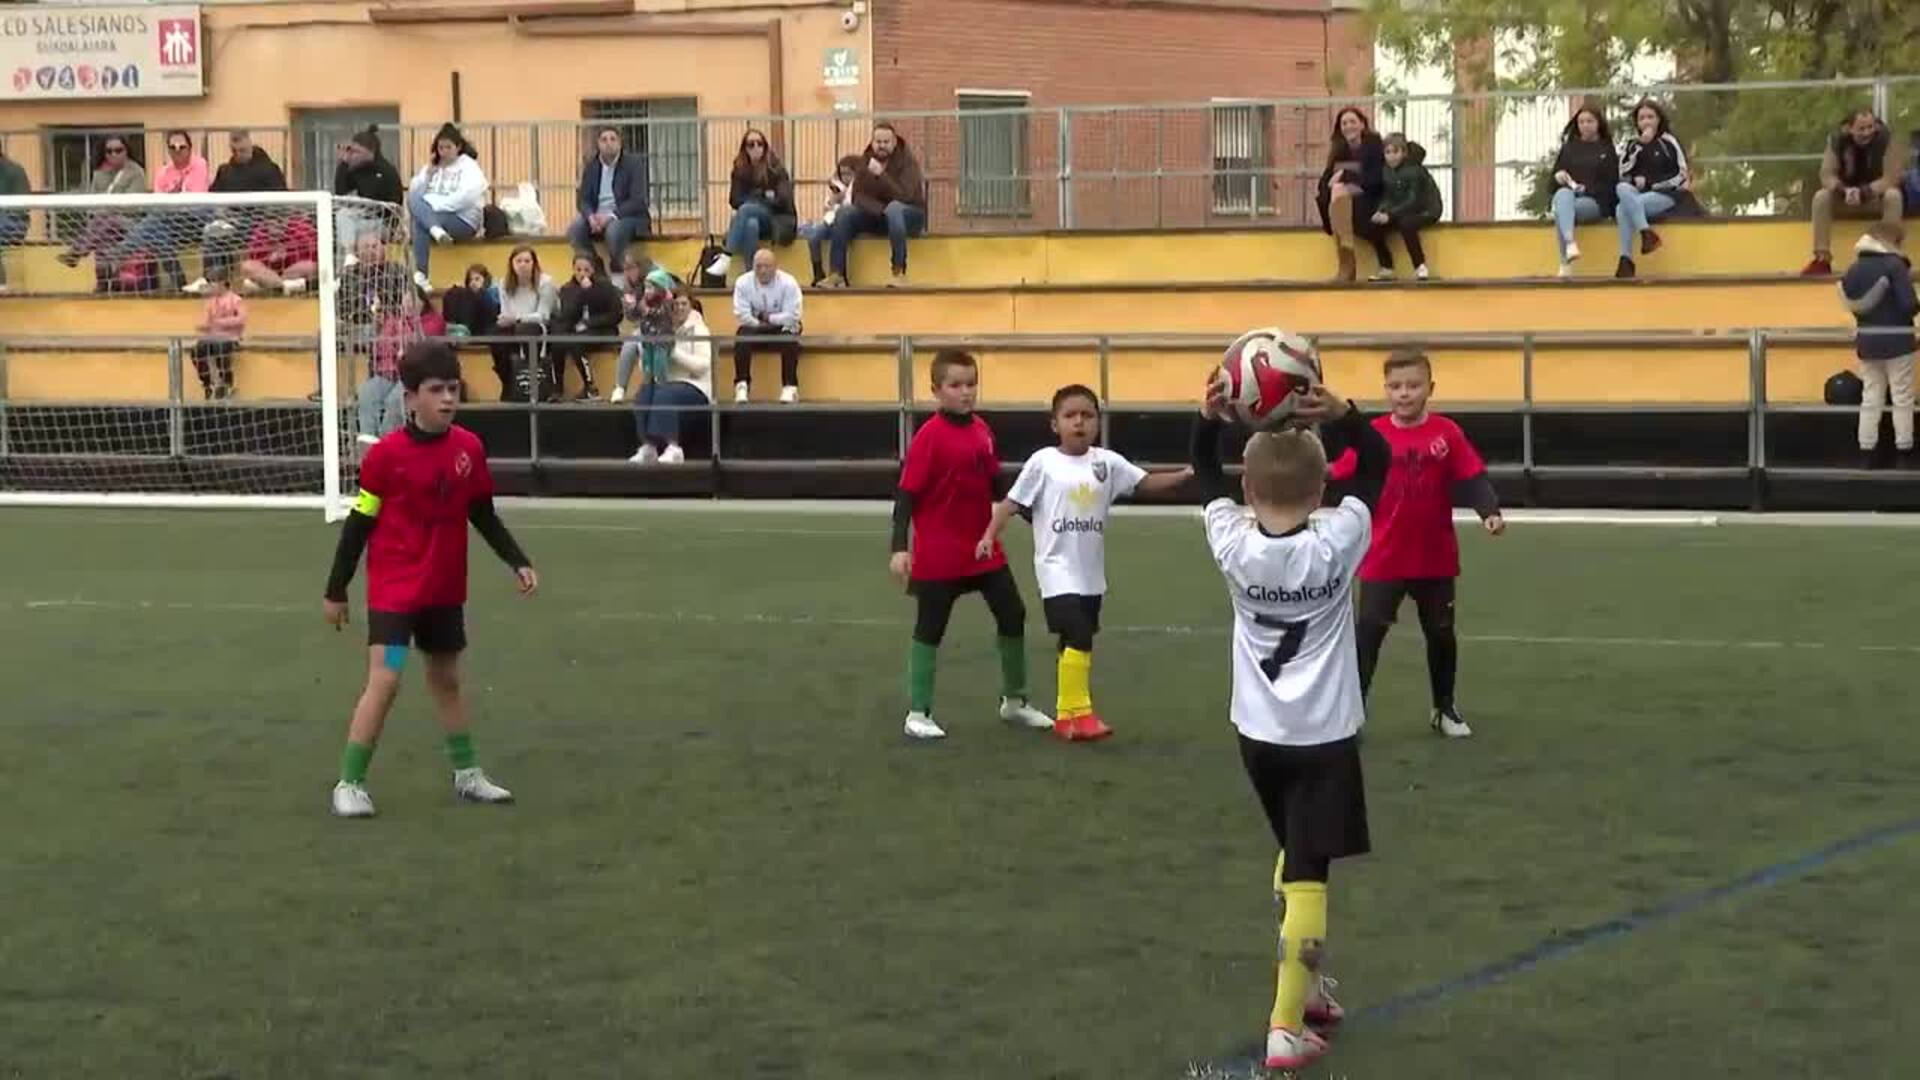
<point>1411,193</point>
<point>13,178</point>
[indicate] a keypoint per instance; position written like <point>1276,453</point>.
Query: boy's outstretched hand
<point>335,612</point>
<point>529,582</point>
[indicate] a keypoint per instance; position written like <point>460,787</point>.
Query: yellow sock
<point>1303,932</point>
<point>1074,678</point>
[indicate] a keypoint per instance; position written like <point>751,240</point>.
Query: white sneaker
<point>1420,272</point>
<point>1383,275</point>
<point>195,287</point>
<point>1019,713</point>
<point>420,278</point>
<point>719,266</point>
<point>351,800</point>
<point>646,455</point>
<point>619,395</point>
<point>250,287</point>
<point>473,786</point>
<point>789,395</point>
<point>1290,1051</point>
<point>741,393</point>
<point>673,455</point>
<point>1566,269</point>
<point>366,439</point>
<point>1448,722</point>
<point>440,235</point>
<point>294,286</point>
<point>349,262</point>
<point>921,726</point>
<point>1573,252</point>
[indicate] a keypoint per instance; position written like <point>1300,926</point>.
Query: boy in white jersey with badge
<point>1066,492</point>
<point>1290,569</point>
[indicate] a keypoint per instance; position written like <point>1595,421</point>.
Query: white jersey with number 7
<point>1296,674</point>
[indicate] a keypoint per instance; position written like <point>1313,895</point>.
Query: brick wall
<point>1119,52</point>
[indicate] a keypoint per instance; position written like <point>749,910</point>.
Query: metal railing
<point>1753,148</point>
<point>911,402</point>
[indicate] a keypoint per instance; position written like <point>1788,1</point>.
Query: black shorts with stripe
<point>432,630</point>
<point>1314,796</point>
<point>1075,617</point>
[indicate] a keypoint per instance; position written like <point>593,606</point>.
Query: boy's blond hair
<point>1891,233</point>
<point>1285,469</point>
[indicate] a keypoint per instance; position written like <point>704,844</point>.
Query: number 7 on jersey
<point>1291,635</point>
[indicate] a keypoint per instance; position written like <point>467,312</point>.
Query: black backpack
<point>700,278</point>
<point>1844,388</point>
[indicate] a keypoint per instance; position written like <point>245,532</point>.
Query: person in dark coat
<point>612,200</point>
<point>1859,177</point>
<point>589,307</point>
<point>1351,185</point>
<point>1586,175</point>
<point>1411,203</point>
<point>762,199</point>
<point>1878,290</point>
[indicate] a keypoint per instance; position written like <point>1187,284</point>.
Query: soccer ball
<point>1266,373</point>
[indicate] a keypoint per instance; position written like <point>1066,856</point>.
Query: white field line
<point>707,618</point>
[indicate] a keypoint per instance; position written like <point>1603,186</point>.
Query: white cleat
<point>646,455</point>
<point>921,726</point>
<point>741,393</point>
<point>1290,1051</point>
<point>1448,722</point>
<point>789,395</point>
<point>473,786</point>
<point>351,800</point>
<point>1019,713</point>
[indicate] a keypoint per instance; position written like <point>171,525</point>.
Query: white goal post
<point>189,350</point>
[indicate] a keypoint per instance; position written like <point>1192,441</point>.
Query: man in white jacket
<point>445,199</point>
<point>767,304</point>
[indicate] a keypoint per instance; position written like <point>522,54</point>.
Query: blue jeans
<point>1638,210</point>
<point>752,222</point>
<point>161,234</point>
<point>424,218</point>
<point>383,406</point>
<point>899,222</point>
<point>1569,210</point>
<point>661,426</point>
<point>13,229</point>
<point>619,233</point>
<point>816,233</point>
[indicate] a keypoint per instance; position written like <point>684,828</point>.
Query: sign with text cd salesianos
<point>50,52</point>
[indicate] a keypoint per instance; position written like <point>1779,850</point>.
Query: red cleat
<point>1088,728</point>
<point>1063,727</point>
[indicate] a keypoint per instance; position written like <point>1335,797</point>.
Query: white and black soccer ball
<point>1266,374</point>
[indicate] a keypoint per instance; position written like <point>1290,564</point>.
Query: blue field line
<point>1248,1062</point>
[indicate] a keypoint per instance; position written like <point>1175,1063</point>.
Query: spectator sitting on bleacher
<point>13,223</point>
<point>362,172</point>
<point>162,233</point>
<point>589,306</point>
<point>114,174</point>
<point>1351,186</point>
<point>839,189</point>
<point>1411,202</point>
<point>446,198</point>
<point>1878,290</point>
<point>632,284</point>
<point>473,306</point>
<point>527,302</point>
<point>382,399</point>
<point>1859,177</point>
<point>282,255</point>
<point>247,170</point>
<point>652,313</point>
<point>223,319</point>
<point>761,195</point>
<point>766,306</point>
<point>680,381</point>
<point>369,284</point>
<point>889,196</point>
<point>1586,173</point>
<point>1653,182</point>
<point>612,200</point>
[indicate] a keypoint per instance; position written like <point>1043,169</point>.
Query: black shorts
<point>936,599</point>
<point>432,630</point>
<point>1432,597</point>
<point>1314,796</point>
<point>1072,614</point>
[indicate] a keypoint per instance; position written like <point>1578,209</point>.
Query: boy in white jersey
<point>1066,492</point>
<point>1290,568</point>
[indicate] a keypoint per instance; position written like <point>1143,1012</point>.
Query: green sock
<point>460,750</point>
<point>354,761</point>
<point>920,662</point>
<point>1013,667</point>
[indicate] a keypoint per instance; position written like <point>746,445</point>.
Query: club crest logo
<point>1100,471</point>
<point>462,465</point>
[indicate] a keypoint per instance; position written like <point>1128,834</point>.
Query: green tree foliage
<point>1548,44</point>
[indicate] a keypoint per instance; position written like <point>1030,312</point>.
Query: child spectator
<point>282,255</point>
<point>473,306</point>
<point>682,382</point>
<point>223,319</point>
<point>1411,203</point>
<point>839,189</point>
<point>652,314</point>
<point>589,307</point>
<point>527,301</point>
<point>1878,290</point>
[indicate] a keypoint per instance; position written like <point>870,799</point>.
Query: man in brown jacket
<point>889,196</point>
<point>1859,177</point>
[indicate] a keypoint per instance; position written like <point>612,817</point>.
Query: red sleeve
<point>1342,468</point>
<point>919,464</point>
<point>1463,459</point>
<point>376,469</point>
<point>260,242</point>
<point>303,243</point>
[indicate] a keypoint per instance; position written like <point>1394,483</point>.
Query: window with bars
<point>667,131</point>
<point>1242,159</point>
<point>994,178</point>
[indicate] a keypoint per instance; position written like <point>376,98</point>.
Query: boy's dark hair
<point>477,268</point>
<point>1891,233</point>
<point>951,358</point>
<point>1074,390</point>
<point>1400,358</point>
<point>1398,139</point>
<point>219,272</point>
<point>425,360</point>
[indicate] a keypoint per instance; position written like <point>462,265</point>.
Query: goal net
<point>197,350</point>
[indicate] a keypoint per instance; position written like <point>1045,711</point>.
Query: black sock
<point>1443,660</point>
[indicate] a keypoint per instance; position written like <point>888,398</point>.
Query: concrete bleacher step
<point>1745,246</point>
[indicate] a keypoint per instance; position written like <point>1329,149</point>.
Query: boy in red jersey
<point>419,487</point>
<point>1414,551</point>
<point>947,491</point>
